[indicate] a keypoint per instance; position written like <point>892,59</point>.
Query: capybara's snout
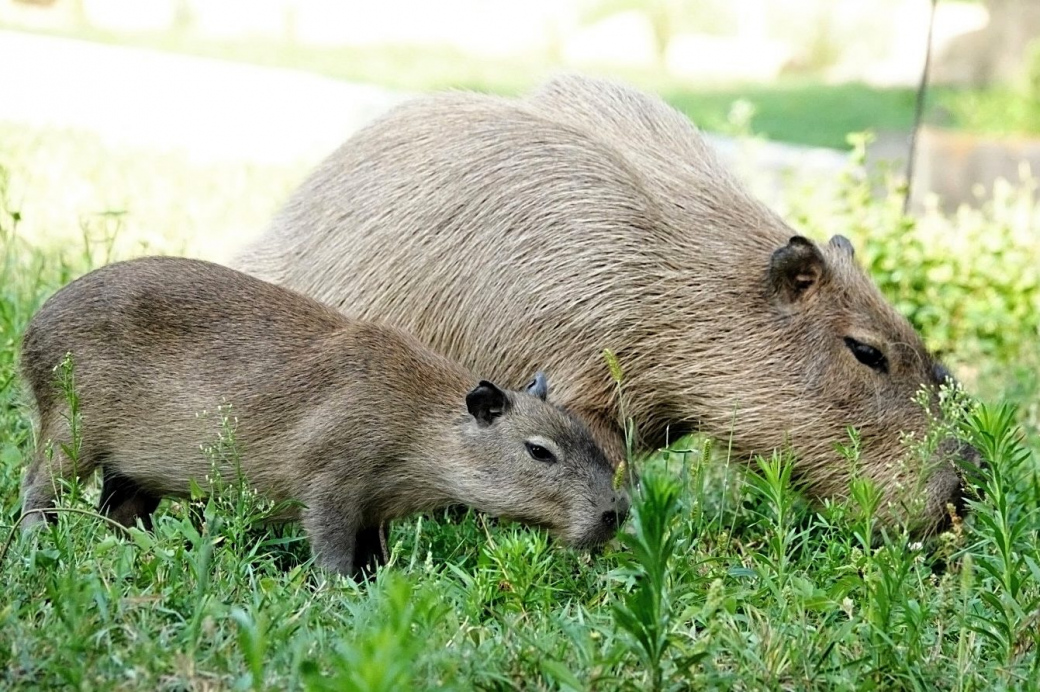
<point>615,515</point>
<point>951,484</point>
<point>600,522</point>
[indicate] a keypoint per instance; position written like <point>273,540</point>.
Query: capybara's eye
<point>867,354</point>
<point>540,453</point>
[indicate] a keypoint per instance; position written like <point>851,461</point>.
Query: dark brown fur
<point>357,421</point>
<point>511,234</point>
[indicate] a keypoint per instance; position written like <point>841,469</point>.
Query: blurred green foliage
<point>1004,110</point>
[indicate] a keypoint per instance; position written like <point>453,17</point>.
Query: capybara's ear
<point>486,402</point>
<point>795,270</point>
<point>539,386</point>
<point>843,244</point>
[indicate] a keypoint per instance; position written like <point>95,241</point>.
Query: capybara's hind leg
<point>50,465</point>
<point>40,488</point>
<point>125,501</point>
<point>38,493</point>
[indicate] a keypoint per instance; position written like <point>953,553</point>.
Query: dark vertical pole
<point>919,109</point>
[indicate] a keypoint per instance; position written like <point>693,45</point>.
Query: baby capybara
<point>358,422</point>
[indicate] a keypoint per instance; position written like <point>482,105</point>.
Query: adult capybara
<point>359,422</point>
<point>510,234</point>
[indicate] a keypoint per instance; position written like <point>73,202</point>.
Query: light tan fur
<point>518,233</point>
<point>358,421</point>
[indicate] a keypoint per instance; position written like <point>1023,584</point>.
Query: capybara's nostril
<point>973,467</point>
<point>613,518</point>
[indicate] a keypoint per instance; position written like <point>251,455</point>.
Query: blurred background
<point>132,126</point>
<point>284,81</point>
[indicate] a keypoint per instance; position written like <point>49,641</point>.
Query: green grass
<point>997,111</point>
<point>727,579</point>
<point>1002,110</point>
<point>799,109</point>
<point>802,111</point>
<point>69,185</point>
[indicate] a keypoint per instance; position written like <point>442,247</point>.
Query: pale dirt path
<point>216,109</point>
<point>211,109</point>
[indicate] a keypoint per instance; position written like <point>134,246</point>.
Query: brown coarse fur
<point>357,421</point>
<point>515,233</point>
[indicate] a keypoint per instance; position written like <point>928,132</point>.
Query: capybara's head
<point>837,342</point>
<point>537,463</point>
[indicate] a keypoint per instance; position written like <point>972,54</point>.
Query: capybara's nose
<point>940,373</point>
<point>615,517</point>
<point>959,499</point>
<point>612,519</point>
<point>956,505</point>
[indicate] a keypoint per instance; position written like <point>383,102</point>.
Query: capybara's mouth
<point>952,517</point>
<point>592,539</point>
<point>957,480</point>
<point>972,467</point>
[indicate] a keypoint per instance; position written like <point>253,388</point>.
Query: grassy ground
<point>729,580</point>
<point>800,110</point>
<point>69,186</point>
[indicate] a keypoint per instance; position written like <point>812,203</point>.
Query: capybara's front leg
<point>332,525</point>
<point>370,548</point>
<point>125,501</point>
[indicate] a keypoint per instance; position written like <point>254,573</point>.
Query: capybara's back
<point>511,234</point>
<point>133,324</point>
<point>144,389</point>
